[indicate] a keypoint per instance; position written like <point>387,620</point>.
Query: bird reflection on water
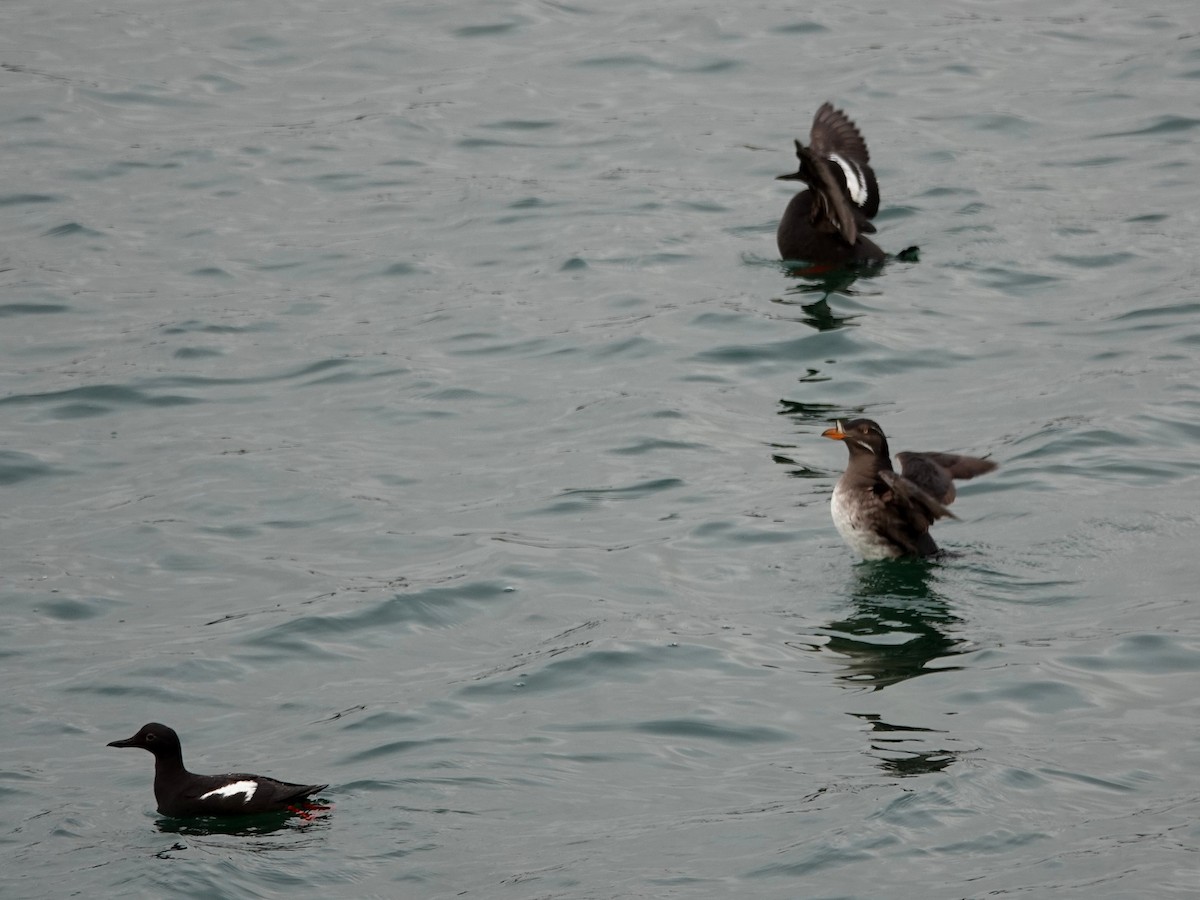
<point>812,296</point>
<point>244,826</point>
<point>898,626</point>
<point>815,285</point>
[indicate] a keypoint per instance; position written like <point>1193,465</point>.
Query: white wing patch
<point>232,790</point>
<point>855,182</point>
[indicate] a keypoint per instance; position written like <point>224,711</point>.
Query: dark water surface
<point>411,398</point>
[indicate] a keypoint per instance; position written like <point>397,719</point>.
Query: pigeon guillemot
<point>826,223</point>
<point>182,794</point>
<point>882,515</point>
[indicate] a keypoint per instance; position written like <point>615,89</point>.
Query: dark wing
<point>869,208</point>
<point>226,795</point>
<point>282,794</point>
<point>935,472</point>
<point>834,133</point>
<point>831,209</point>
<point>913,512</point>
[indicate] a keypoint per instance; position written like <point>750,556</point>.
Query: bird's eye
<point>150,739</point>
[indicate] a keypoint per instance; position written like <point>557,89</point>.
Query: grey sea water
<point>409,397</point>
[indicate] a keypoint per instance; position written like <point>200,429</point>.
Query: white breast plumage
<point>854,530</point>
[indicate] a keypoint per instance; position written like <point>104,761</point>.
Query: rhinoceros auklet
<point>884,515</point>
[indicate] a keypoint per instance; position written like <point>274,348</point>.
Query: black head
<point>158,739</point>
<point>863,437</point>
<point>805,172</point>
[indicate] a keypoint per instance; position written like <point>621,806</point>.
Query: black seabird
<point>182,794</point>
<point>882,515</point>
<point>826,223</point>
